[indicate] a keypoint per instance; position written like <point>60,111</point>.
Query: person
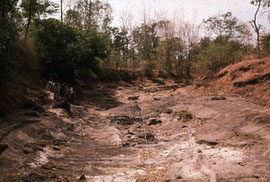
<point>69,94</point>
<point>55,88</point>
<point>62,91</point>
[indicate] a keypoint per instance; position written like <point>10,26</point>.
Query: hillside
<point>249,78</point>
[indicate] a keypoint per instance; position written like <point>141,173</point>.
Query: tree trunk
<point>61,9</point>
<point>29,19</point>
<point>257,27</point>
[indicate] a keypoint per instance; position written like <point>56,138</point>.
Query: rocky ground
<point>143,131</point>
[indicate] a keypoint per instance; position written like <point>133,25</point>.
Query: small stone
<point>218,98</point>
<point>56,148</point>
<point>134,98</point>
<point>154,122</point>
<point>49,165</point>
<point>65,179</point>
<point>125,144</point>
<point>82,177</point>
<point>168,111</point>
<point>199,151</point>
<point>149,136</point>
<point>27,151</point>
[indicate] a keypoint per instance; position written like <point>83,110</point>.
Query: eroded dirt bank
<point>147,131</point>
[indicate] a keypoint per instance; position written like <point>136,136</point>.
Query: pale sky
<point>193,11</point>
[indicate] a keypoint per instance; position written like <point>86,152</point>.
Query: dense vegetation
<point>84,45</point>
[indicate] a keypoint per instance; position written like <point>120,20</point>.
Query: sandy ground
<point>144,131</point>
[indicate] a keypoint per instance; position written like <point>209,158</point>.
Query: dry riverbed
<point>145,131</point>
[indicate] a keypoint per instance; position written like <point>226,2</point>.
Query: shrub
<point>217,56</point>
<point>266,44</point>
<point>69,52</point>
<point>8,35</point>
<point>52,39</point>
<point>92,46</point>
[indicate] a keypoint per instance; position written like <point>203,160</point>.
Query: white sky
<point>190,10</point>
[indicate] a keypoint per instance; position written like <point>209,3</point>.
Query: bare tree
<point>257,27</point>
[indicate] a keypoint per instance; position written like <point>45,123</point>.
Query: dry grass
<point>249,78</point>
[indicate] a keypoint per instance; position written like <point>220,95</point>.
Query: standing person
<point>69,94</point>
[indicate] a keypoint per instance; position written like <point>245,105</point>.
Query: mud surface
<point>147,131</point>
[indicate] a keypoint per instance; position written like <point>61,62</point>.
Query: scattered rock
<point>148,136</point>
<point>125,144</point>
<point>3,147</point>
<point>156,98</point>
<point>42,143</point>
<point>82,177</point>
<point>27,150</point>
<point>134,98</point>
<point>185,116</point>
<point>34,176</point>
<point>59,142</point>
<point>154,122</point>
<point>211,143</point>
<point>218,98</point>
<point>65,179</point>
<point>223,74</point>
<point>38,108</point>
<point>31,147</point>
<point>159,82</point>
<point>168,111</point>
<point>56,148</point>
<point>31,113</point>
<point>125,120</point>
<point>48,165</point>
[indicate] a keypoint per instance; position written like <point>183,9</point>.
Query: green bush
<point>52,40</point>
<point>217,56</point>
<point>8,35</point>
<point>69,52</point>
<point>8,51</point>
<point>266,44</point>
<point>92,46</point>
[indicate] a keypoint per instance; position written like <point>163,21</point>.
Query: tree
<point>32,9</point>
<point>121,41</point>
<point>73,18</point>
<point>94,13</point>
<point>8,35</point>
<point>69,52</point>
<point>257,27</point>
<point>225,26</point>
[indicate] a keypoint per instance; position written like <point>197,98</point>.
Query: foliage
<point>266,44</point>
<point>217,56</point>
<point>8,34</point>
<point>94,14</point>
<point>92,47</point>
<point>265,3</point>
<point>52,40</point>
<point>32,9</point>
<point>226,26</point>
<point>73,18</point>
<point>68,52</point>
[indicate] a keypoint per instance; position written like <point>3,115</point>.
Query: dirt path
<point>149,131</point>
